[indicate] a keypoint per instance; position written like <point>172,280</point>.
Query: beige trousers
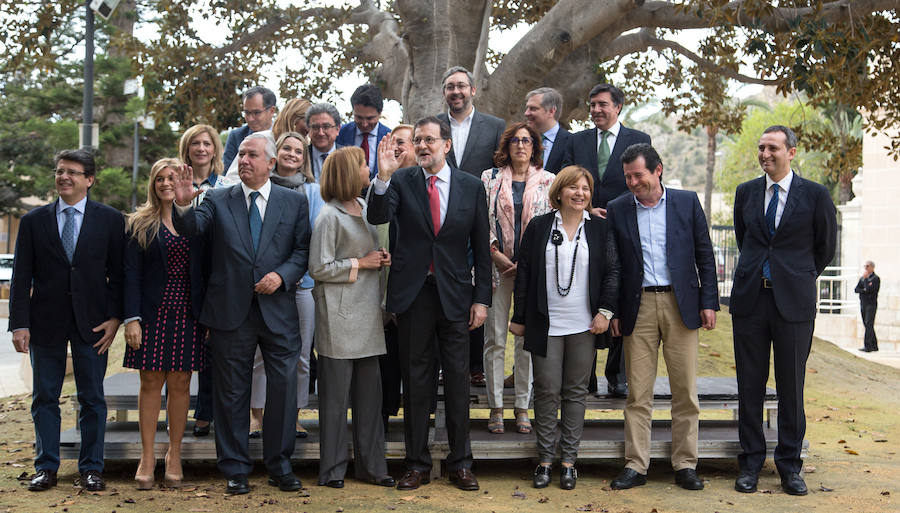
<point>496,327</point>
<point>659,321</point>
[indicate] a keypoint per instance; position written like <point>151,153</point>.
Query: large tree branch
<point>269,29</point>
<point>385,46</point>
<point>708,65</point>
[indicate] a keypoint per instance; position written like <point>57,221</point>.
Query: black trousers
<point>790,342</point>
<point>868,317</point>
<point>389,364</point>
<point>424,335</point>
<point>615,365</point>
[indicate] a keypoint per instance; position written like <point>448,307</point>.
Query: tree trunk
<point>711,132</point>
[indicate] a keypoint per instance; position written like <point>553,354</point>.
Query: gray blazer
<point>284,248</point>
<point>484,137</point>
<point>348,313</point>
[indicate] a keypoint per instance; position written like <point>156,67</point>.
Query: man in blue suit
<point>365,130</point>
<point>668,292</point>
<point>259,111</point>
<point>67,290</point>
<point>786,230</point>
<point>543,107</point>
<point>259,233</point>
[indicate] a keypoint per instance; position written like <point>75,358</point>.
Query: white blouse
<point>571,313</point>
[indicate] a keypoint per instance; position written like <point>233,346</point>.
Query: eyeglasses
<point>323,128</point>
<point>70,172</point>
<point>427,140</point>
<point>462,86</point>
<point>253,113</point>
<point>524,141</point>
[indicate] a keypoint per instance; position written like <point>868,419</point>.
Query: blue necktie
<point>548,146</point>
<point>255,221</point>
<point>770,224</point>
<point>68,232</point>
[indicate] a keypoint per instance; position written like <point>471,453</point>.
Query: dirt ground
<point>852,412</point>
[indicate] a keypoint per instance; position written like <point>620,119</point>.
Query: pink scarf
<point>506,211</point>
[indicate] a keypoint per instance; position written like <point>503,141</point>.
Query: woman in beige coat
<point>344,259</point>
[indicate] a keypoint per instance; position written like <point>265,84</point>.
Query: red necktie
<point>434,203</point>
<point>365,146</point>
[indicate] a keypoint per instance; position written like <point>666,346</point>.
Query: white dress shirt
<point>373,145</point>
<point>442,183</point>
<point>78,218</point>
<point>785,185</point>
<point>262,200</point>
<point>571,313</point>
<point>610,139</point>
<point>459,133</point>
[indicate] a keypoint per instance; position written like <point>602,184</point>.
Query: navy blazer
<point>233,143</point>
<point>530,305</point>
<point>803,245</point>
<point>482,143</point>
<point>347,137</point>
<point>582,151</point>
<point>689,257</point>
<point>558,151</point>
<point>145,276</point>
<point>405,205</point>
<point>223,217</point>
<point>44,284</point>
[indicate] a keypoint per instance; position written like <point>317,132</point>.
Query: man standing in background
<point>867,288</point>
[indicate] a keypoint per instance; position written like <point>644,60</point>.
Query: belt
<point>767,283</point>
<point>663,288</point>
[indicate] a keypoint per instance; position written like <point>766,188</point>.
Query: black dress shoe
<point>618,390</point>
<point>42,481</point>
<point>541,476</point>
<point>865,349</point>
<point>285,483</point>
<point>384,481</point>
<point>255,434</point>
<point>628,478</point>
<point>567,477</point>
<point>92,481</point>
<point>202,430</point>
<point>335,483</point>
<point>237,485</point>
<point>794,484</point>
<point>746,481</point>
<point>687,478</point>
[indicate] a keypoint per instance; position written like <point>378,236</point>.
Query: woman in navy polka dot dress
<point>164,288</point>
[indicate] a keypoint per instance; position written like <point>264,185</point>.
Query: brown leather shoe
<point>412,479</point>
<point>464,479</point>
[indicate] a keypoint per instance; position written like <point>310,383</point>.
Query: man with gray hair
<point>543,107</point>
<point>259,111</point>
<point>324,123</point>
<point>867,288</point>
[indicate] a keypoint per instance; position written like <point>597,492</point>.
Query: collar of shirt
<point>551,134</point>
<point>613,131</point>
<point>317,155</point>
<point>263,191</point>
<point>658,203</point>
<point>373,133</point>
<point>443,175</point>
<point>586,215</point>
<point>79,207</point>
<point>467,120</point>
<point>784,183</point>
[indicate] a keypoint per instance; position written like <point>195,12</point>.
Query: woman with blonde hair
<point>201,148</point>
<point>164,287</point>
<point>292,118</point>
<point>344,259</point>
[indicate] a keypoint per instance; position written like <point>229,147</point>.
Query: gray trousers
<point>343,383</point>
<point>561,383</point>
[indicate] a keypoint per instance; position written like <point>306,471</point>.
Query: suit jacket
<point>530,305</point>
<point>803,244</point>
<point>484,138</point>
<point>405,205</point>
<point>233,143</point>
<point>558,151</point>
<point>145,276</point>
<point>283,247</point>
<point>44,284</point>
<point>867,288</point>
<point>582,151</point>
<point>347,137</point>
<point>689,257</point>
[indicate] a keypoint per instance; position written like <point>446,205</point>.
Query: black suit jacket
<point>803,244</point>
<point>484,138</point>
<point>530,305</point>
<point>689,257</point>
<point>558,151</point>
<point>405,205</point>
<point>145,277</point>
<point>867,288</point>
<point>582,151</point>
<point>283,248</point>
<point>44,283</point>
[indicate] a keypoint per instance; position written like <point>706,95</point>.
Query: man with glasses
<point>323,121</point>
<point>259,112</point>
<point>543,107</point>
<point>67,290</point>
<point>476,137</point>
<point>365,130</point>
<point>440,212</point>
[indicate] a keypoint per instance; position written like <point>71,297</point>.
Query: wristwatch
<point>605,313</point>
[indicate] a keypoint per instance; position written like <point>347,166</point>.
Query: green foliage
<point>113,187</point>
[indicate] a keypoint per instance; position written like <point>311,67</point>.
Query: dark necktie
<point>770,225</point>
<point>434,203</point>
<point>68,232</point>
<point>365,146</point>
<point>603,153</point>
<point>255,221</point>
<point>548,146</point>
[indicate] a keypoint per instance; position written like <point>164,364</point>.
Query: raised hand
<point>184,186</point>
<point>387,160</point>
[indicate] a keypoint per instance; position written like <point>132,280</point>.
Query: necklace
<point>556,239</point>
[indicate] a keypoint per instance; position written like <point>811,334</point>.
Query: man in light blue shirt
<point>543,107</point>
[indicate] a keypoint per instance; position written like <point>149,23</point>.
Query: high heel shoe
<point>172,480</point>
<point>145,482</point>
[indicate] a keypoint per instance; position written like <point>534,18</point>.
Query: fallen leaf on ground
<point>885,492</point>
<point>823,488</point>
<point>809,469</point>
<point>704,345</point>
<point>201,494</point>
<point>881,440</point>
<point>842,441</point>
<point>518,495</point>
<point>715,354</point>
<point>851,451</point>
<point>812,371</point>
<point>408,498</point>
<point>544,499</point>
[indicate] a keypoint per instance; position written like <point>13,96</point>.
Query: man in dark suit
<point>668,292</point>
<point>786,232</point>
<point>599,150</point>
<point>543,107</point>
<point>440,212</point>
<point>67,288</point>
<point>867,288</point>
<point>475,138</point>
<point>259,233</point>
<point>259,111</point>
<point>365,130</point>
<point>323,122</point>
